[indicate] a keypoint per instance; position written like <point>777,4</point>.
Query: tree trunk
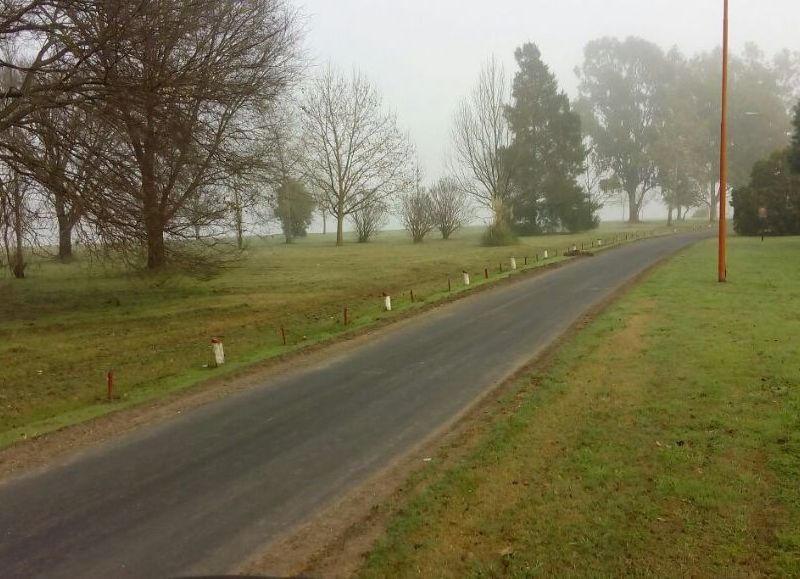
<point>64,242</point>
<point>324,222</point>
<point>713,206</point>
<point>65,225</point>
<point>633,207</point>
<point>19,256</point>
<point>669,216</point>
<point>340,229</point>
<point>156,249</point>
<point>239,229</point>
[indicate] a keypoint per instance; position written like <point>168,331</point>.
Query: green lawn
<point>664,440</point>
<point>64,326</point>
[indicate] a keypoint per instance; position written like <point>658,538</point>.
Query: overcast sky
<point>425,55</point>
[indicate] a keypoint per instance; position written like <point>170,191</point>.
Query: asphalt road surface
<point>200,493</point>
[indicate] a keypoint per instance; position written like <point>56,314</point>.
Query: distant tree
<point>758,117</point>
<point>678,150</point>
<point>355,155</point>
<point>369,216</point>
<point>65,157</point>
<point>547,151</point>
<point>294,208</point>
<point>775,188</point>
<point>416,211</point>
<point>449,206</point>
<point>619,88</point>
<point>17,218</point>
<point>481,138</point>
<point>786,65</point>
<point>794,150</point>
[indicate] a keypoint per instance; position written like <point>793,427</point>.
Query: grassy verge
<point>664,440</point>
<point>65,326</point>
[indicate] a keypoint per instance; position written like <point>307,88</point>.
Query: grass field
<point>65,326</point>
<point>664,440</point>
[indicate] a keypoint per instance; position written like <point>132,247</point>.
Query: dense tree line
<point>652,119</point>
<point>163,130</point>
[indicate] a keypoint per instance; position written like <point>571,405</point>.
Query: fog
<point>425,55</point>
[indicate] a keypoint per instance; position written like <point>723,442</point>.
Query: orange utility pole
<point>723,156</point>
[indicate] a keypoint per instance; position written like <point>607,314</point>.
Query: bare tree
<point>481,136</point>
<point>188,85</point>
<point>60,39</point>
<point>368,217</point>
<point>355,155</point>
<point>416,210</point>
<point>64,155</point>
<point>449,206</point>
<point>17,219</point>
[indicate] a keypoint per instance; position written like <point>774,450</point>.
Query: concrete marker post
<point>387,302</point>
<point>513,264</point>
<point>219,352</point>
<point>466,278</point>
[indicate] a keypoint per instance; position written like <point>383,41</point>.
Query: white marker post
<point>466,278</point>
<point>513,263</point>
<point>219,352</point>
<point>546,255</point>
<point>599,243</point>
<point>387,302</point>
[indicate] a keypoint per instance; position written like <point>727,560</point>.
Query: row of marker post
<point>216,342</point>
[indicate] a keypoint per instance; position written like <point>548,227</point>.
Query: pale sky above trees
<point>424,55</point>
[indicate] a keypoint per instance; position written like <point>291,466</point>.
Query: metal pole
<point>723,155</point>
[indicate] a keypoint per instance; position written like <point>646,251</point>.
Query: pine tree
<point>547,151</point>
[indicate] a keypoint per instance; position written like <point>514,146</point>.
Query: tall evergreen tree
<point>547,151</point>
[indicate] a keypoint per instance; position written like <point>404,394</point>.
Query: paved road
<point>199,494</point>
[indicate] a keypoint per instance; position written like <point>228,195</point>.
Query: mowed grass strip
<point>663,441</point>
<point>64,326</point>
